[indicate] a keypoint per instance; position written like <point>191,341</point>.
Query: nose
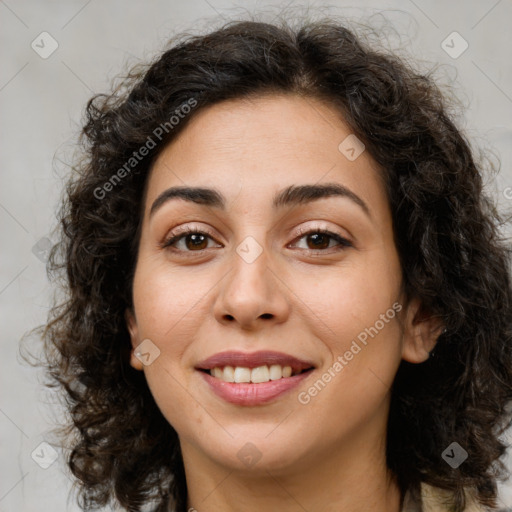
<point>252,295</point>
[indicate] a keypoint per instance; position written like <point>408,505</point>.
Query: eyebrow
<point>289,196</point>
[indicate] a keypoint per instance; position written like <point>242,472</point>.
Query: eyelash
<point>343,242</point>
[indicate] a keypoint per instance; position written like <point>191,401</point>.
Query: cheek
<point>168,307</point>
<point>346,302</point>
<point>363,340</point>
<point>168,301</point>
<point>368,331</point>
<point>176,401</point>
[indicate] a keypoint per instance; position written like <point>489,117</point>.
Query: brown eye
<point>196,241</point>
<point>190,240</point>
<point>320,240</point>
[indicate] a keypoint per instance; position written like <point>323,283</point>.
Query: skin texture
<point>330,453</point>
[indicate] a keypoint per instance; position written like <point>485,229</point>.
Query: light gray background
<point>41,103</point>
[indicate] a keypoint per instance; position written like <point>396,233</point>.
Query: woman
<point>271,232</point>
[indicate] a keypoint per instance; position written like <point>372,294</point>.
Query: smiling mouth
<point>257,375</point>
<point>253,379</point>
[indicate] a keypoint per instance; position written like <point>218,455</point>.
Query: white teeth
<point>260,374</point>
<point>257,375</point>
<point>276,372</point>
<point>242,374</point>
<point>229,374</point>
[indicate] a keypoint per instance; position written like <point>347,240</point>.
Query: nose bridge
<point>250,292</point>
<point>251,266</point>
<point>249,280</point>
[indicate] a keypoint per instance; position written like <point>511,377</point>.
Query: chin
<point>257,449</point>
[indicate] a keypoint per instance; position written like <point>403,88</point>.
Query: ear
<point>421,331</point>
<point>131,324</point>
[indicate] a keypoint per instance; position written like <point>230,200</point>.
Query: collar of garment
<point>433,499</point>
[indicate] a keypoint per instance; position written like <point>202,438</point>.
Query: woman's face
<point>260,291</point>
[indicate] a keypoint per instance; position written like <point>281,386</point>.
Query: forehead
<point>254,148</point>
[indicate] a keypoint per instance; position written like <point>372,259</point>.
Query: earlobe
<point>131,324</point>
<point>421,331</point>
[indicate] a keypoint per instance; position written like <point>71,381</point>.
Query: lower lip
<point>246,393</point>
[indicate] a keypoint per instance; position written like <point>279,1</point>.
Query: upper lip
<point>253,360</point>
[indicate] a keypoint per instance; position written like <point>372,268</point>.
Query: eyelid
<point>318,227</point>
<point>187,228</point>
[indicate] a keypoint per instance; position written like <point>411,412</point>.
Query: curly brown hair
<point>446,229</point>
